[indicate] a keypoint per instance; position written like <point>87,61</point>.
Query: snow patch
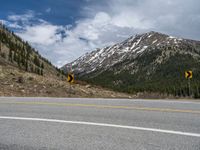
<point>143,49</point>
<point>136,49</point>
<point>175,41</point>
<point>126,49</point>
<point>74,63</point>
<point>150,36</point>
<point>154,41</point>
<point>93,69</point>
<point>171,37</point>
<point>92,58</point>
<point>136,43</point>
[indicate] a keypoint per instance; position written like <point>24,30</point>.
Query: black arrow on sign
<point>70,78</point>
<point>189,74</point>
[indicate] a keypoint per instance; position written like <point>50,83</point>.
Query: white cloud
<point>11,24</point>
<point>107,24</point>
<point>132,20</point>
<point>44,34</point>
<point>87,35</point>
<point>25,17</point>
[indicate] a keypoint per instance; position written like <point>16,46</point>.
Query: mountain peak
<point>130,49</point>
<point>147,62</point>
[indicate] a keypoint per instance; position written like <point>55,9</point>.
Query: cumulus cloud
<point>22,19</point>
<point>107,22</point>
<point>68,43</point>
<point>42,34</point>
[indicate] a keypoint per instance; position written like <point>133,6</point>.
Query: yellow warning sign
<point>70,78</point>
<point>188,74</point>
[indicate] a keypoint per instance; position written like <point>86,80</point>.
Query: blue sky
<point>63,30</point>
<point>58,12</point>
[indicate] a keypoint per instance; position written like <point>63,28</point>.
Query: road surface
<point>98,124</point>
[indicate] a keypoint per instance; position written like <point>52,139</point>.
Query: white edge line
<point>104,125</point>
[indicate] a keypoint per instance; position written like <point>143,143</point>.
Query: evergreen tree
<point>26,65</point>
<point>15,56</point>
<point>18,60</point>
<point>10,55</point>
<point>42,65</point>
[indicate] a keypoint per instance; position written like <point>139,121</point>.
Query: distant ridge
<point>152,62</point>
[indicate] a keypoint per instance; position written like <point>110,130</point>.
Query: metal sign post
<point>189,87</point>
<point>188,76</point>
<point>70,79</point>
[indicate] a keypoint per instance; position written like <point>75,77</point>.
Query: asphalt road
<point>98,124</point>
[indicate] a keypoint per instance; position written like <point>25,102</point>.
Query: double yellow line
<point>107,106</point>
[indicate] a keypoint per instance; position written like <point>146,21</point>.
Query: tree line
<point>20,52</point>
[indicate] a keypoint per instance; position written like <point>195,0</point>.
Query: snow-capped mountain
<point>146,61</point>
<point>105,58</point>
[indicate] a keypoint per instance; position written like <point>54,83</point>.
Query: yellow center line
<point>108,106</point>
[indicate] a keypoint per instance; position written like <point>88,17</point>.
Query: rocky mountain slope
<point>151,62</point>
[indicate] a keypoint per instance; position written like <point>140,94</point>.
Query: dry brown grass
<point>15,82</point>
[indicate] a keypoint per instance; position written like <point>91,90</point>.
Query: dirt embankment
<point>14,82</point>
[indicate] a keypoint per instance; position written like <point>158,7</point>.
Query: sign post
<point>188,75</point>
<point>70,79</point>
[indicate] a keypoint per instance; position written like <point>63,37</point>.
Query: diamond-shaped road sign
<point>188,74</point>
<point>70,78</point>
